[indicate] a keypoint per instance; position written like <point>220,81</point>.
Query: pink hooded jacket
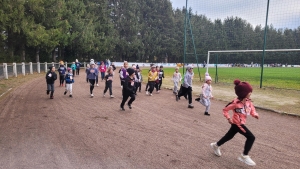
<point>240,111</point>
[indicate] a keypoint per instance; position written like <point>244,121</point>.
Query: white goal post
<point>241,51</point>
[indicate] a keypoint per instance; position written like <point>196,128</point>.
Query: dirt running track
<point>158,133</point>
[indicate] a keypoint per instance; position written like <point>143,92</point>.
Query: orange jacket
<point>240,111</point>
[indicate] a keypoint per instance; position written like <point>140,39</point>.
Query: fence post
<point>84,63</point>
<point>23,68</point>
<point>15,69</point>
<point>66,65</point>
<point>38,67</point>
<point>52,63</point>
<point>46,67</point>
<point>5,70</point>
<point>30,68</point>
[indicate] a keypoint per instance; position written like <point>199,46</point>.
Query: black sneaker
<point>47,92</point>
<point>198,99</point>
<point>207,114</point>
<point>51,97</point>
<point>70,95</point>
<point>122,108</point>
<point>177,98</point>
<point>65,92</point>
<point>129,105</point>
<point>190,106</point>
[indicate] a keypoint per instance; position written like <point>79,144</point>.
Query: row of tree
<point>133,30</point>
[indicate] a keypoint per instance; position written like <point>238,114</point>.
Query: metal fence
<point>15,69</point>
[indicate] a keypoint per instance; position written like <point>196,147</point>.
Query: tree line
<point>132,30</point>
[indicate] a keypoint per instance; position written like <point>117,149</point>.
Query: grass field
<point>275,77</point>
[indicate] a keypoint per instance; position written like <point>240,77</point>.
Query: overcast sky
<point>282,13</point>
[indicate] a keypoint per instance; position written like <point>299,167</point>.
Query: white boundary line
<point>5,92</point>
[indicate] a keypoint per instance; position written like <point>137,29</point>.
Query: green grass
<point>273,77</point>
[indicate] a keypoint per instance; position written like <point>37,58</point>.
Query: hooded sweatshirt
<point>92,73</point>
<point>188,77</point>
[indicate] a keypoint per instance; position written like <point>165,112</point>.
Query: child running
<point>108,82</point>
<point>161,76</point>
<point>73,66</point>
<point>206,94</point>
<point>186,88</point>
<point>128,89</point>
<point>86,72</point>
<point>92,74</point>
<point>176,80</point>
<point>140,77</point>
<point>51,76</point>
<point>62,72</point>
<point>241,107</point>
<point>152,77</point>
<point>69,82</point>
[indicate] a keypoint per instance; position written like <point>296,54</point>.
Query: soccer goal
<point>261,64</point>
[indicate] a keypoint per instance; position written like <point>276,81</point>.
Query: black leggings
<point>151,86</point>
<point>108,86</point>
<point>92,85</point>
<point>126,94</point>
<point>77,71</point>
<point>147,85</point>
<point>156,86</point>
<point>231,133</point>
<point>137,85</point>
<point>185,91</point>
<point>61,79</point>
<point>159,84</point>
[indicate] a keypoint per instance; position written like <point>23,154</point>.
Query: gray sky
<point>282,13</point>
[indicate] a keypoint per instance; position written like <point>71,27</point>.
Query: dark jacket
<point>50,80</point>
<point>108,82</point>
<point>161,74</point>
<point>69,78</point>
<point>78,65</point>
<point>128,86</point>
<point>62,70</point>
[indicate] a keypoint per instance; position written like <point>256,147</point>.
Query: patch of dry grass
<point>278,100</point>
<point>14,82</point>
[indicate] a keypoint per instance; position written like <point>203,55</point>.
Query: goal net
<point>224,25</point>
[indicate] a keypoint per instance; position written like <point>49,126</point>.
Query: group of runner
<point>131,82</point>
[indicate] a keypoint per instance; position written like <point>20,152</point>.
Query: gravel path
<point>158,132</point>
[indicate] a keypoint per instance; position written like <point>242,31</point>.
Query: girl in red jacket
<point>102,69</point>
<point>241,107</point>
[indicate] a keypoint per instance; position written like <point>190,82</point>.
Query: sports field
<point>273,77</point>
<point>280,88</point>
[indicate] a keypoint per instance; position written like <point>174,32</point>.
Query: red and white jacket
<point>102,68</point>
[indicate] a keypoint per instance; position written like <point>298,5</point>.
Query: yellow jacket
<point>152,76</point>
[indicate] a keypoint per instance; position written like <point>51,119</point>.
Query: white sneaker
<point>92,95</point>
<point>216,149</point>
<point>97,84</point>
<point>103,94</point>
<point>150,94</point>
<point>246,159</point>
<point>112,96</point>
<point>147,93</point>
